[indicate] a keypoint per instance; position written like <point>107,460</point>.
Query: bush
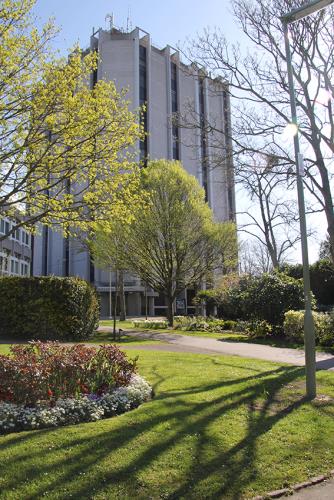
<point>47,308</point>
<point>266,298</point>
<point>258,329</point>
<point>152,324</point>
<point>229,324</point>
<point>323,324</point>
<point>49,371</point>
<point>199,323</point>
<point>321,278</point>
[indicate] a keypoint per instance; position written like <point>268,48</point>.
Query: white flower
<point>16,417</point>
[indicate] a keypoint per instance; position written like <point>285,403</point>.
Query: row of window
<point>143,101</point>
<point>203,137</point>
<point>12,265</point>
<point>19,235</point>
<point>175,109</point>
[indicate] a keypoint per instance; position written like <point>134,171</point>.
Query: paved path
<point>322,491</point>
<point>205,345</point>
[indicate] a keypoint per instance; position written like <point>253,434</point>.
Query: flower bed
<point>48,385</point>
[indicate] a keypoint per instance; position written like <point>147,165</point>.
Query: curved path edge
<point>204,345</point>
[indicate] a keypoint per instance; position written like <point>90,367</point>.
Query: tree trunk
<point>170,312</point>
<point>122,315</point>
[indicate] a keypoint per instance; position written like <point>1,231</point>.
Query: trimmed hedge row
<point>47,308</point>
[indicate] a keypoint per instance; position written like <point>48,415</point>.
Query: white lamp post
<point>286,19</point>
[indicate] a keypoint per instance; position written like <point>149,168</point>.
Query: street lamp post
<point>310,365</point>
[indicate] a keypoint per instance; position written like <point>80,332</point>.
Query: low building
<point>15,250</point>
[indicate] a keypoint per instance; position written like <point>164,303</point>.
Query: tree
<point>254,258</point>
<point>325,250</point>
<point>173,242</point>
<point>273,223</point>
<point>258,86</point>
<point>106,248</point>
<point>64,157</point>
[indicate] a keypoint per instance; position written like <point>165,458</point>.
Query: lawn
<point>218,427</point>
<point>106,337</point>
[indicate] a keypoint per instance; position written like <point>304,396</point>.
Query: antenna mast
<point>110,18</point>
<point>128,20</point>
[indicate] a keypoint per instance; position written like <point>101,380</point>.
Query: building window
<point>226,117</point>
<point>143,101</point>
<point>66,259</point>
<point>16,235</point>
<point>4,226</point>
<point>4,261</point>
<point>175,109</point>
<point>94,73</point>
<point>230,202</point>
<point>204,155</point>
<point>25,238</point>
<point>45,251</point>
<point>14,266</point>
<point>24,269</point>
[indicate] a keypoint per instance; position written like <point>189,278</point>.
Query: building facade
<point>15,250</point>
<point>171,92</point>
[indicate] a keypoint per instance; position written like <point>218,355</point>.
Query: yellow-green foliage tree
<point>65,145</point>
<point>173,241</point>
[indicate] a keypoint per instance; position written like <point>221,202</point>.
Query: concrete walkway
<point>322,491</point>
<point>205,345</point>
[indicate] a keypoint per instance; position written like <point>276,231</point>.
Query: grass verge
<point>218,427</point>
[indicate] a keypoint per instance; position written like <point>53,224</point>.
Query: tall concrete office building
<point>169,88</point>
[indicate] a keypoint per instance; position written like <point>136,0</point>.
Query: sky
<point>170,22</point>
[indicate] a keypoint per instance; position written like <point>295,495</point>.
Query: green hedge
<point>47,308</point>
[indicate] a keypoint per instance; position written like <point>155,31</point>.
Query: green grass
<point>4,348</point>
<point>218,427</point>
<point>125,325</point>
<point>106,337</point>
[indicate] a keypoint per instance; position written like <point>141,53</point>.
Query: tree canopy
<point>66,143</point>
<point>172,241</point>
<point>258,86</point>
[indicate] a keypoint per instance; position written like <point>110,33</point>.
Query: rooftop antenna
<point>128,20</point>
<point>110,18</point>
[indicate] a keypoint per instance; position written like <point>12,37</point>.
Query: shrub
<point>229,324</point>
<point>258,329</point>
<point>49,371</point>
<point>199,323</point>
<point>321,278</point>
<point>323,325</point>
<point>47,308</point>
<point>152,324</point>
<point>266,298</point>
<point>89,408</point>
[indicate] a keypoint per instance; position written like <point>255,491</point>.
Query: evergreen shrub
<point>323,325</point>
<point>47,308</point>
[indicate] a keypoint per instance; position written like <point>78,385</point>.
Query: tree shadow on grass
<point>111,461</point>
